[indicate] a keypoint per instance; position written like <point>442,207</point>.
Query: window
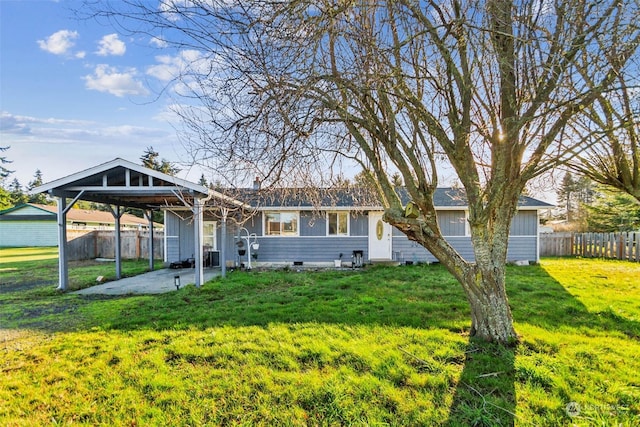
<point>338,223</point>
<point>281,224</point>
<point>209,235</point>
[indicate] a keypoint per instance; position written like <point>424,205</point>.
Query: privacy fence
<point>624,246</point>
<point>102,244</point>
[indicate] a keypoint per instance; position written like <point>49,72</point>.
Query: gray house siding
<point>524,223</point>
<point>520,248</point>
<point>523,248</point>
<point>313,224</point>
<point>452,223</point>
<point>523,239</point>
<point>314,246</point>
<point>309,249</point>
<point>179,236</point>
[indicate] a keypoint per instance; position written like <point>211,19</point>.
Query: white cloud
<point>166,70</point>
<point>133,132</point>
<point>16,124</point>
<point>111,45</point>
<point>109,79</point>
<point>70,130</point>
<point>59,43</point>
<point>61,146</point>
<point>170,67</point>
<point>158,42</point>
<point>13,124</point>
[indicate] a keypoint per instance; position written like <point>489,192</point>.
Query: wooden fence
<point>623,246</point>
<point>101,244</point>
<point>556,244</point>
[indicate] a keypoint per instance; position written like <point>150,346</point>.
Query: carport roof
<point>120,182</point>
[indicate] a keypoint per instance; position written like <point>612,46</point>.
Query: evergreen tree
<point>613,210</point>
<point>565,194</point>
<point>151,159</point>
<point>4,172</point>
<point>5,199</point>
<point>17,193</point>
<point>37,198</point>
<point>396,180</point>
<point>574,194</point>
<point>203,181</point>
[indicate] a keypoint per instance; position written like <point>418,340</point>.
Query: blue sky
<point>74,93</point>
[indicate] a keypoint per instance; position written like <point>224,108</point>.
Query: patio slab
<point>154,282</point>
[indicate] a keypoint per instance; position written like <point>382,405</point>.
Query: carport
<point>120,184</point>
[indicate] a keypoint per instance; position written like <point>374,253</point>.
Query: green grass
<point>28,281</point>
<point>24,268</point>
<point>382,346</point>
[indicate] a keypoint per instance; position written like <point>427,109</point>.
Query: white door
<point>379,238</point>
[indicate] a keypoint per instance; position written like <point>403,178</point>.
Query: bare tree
<point>610,131</point>
<point>288,89</point>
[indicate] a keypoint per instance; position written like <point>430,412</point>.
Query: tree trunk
<point>491,318</point>
<point>483,280</point>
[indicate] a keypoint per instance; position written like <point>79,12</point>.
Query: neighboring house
<point>292,230</point>
<point>36,225</point>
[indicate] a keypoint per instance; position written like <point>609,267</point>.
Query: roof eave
<point>118,162</point>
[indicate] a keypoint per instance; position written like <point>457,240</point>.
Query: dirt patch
<point>49,309</point>
<point>25,286</point>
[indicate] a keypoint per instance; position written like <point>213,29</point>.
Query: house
<point>34,224</point>
<point>283,227</point>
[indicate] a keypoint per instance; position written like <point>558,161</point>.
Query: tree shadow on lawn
<point>485,393</point>
<point>426,297</point>
<point>419,296</point>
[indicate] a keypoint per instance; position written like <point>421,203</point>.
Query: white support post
<point>117,216</point>
<point>150,217</point>
<point>63,266</point>
<point>223,243</point>
<point>537,237</point>
<point>198,234</point>
<point>165,240</point>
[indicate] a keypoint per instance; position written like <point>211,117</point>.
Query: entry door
<point>379,238</point>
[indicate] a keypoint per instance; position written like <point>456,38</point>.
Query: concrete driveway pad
<point>154,282</point>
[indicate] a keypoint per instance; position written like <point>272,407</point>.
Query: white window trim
<point>467,228</point>
<point>348,224</point>
<point>264,223</point>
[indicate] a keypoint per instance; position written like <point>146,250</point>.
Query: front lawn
<point>25,269</point>
<point>381,346</point>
